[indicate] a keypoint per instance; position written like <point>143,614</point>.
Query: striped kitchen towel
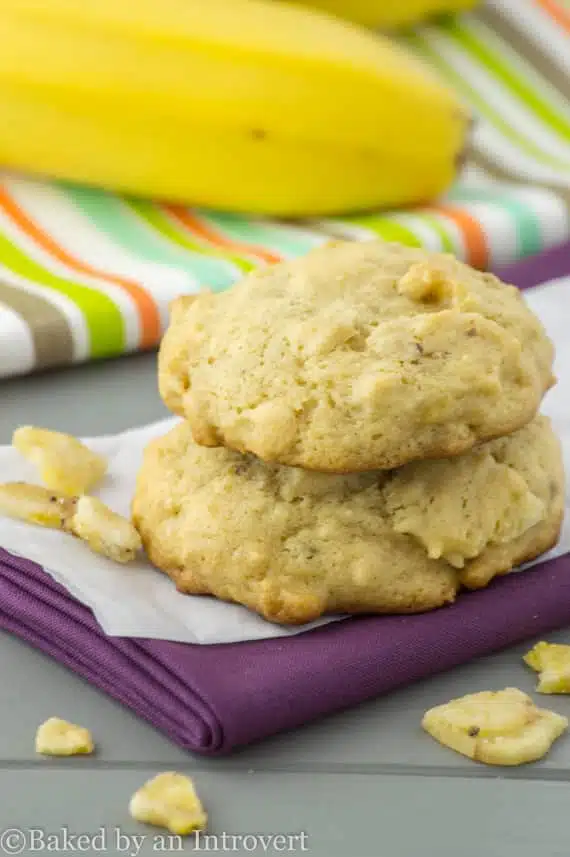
<point>87,275</point>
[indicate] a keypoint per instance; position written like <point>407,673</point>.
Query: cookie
<point>489,510</point>
<point>293,544</point>
<point>359,356</point>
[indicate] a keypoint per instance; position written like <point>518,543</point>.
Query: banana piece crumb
<point>552,663</point>
<point>36,505</point>
<point>65,464</point>
<point>169,800</point>
<point>495,727</point>
<point>102,530</point>
<point>57,737</point>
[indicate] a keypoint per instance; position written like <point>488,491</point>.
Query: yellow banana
<point>390,14</point>
<point>245,105</point>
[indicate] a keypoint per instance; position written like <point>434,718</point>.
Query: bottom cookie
<point>293,545</point>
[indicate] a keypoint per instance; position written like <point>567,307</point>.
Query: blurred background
<point>154,148</point>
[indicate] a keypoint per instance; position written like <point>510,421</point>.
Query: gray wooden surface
<point>366,783</point>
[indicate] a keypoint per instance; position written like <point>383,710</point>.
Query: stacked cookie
<point>361,434</point>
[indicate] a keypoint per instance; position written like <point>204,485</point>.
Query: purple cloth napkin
<point>212,699</point>
<point>549,265</point>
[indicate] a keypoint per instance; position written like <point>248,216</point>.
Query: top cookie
<point>358,356</point>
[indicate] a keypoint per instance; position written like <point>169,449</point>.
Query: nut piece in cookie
<point>58,737</point>
<point>169,800</point>
<point>495,727</point>
<point>552,663</point>
<point>65,464</point>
